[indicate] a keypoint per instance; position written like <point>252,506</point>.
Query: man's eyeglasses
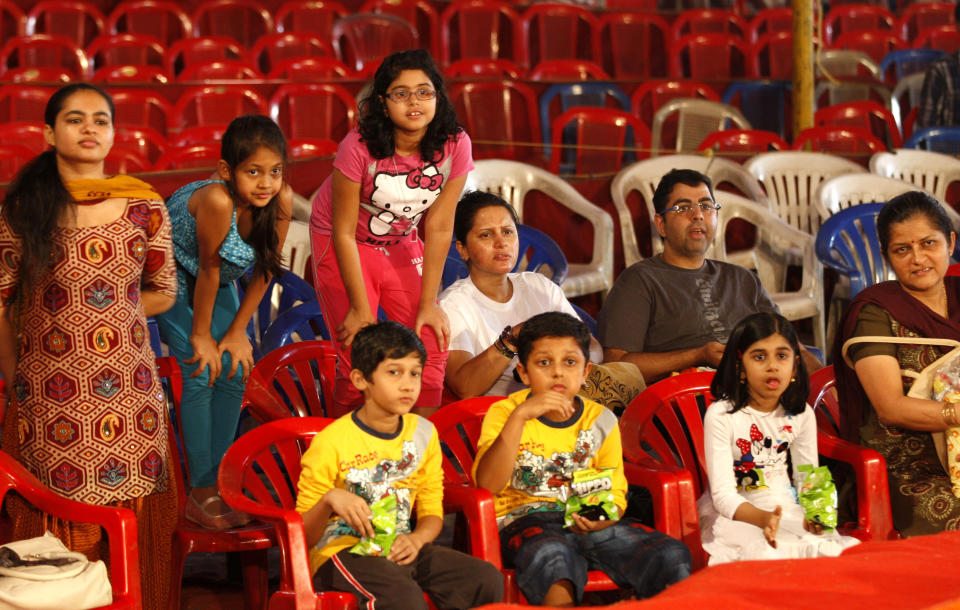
<point>402,95</point>
<point>687,209</point>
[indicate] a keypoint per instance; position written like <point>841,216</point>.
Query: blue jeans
<point>544,552</point>
<point>208,415</point>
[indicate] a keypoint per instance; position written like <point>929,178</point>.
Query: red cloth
<point>913,573</point>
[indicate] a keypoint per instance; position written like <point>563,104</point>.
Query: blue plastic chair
<point>587,319</point>
<point>762,102</point>
<point>294,290</point>
<point>303,322</point>
<point>936,139</point>
<point>909,61</point>
<point>537,250</point>
<point>848,242</point>
<point>592,93</point>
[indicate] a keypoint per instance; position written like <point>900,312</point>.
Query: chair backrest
<point>740,144</point>
<point>271,49</point>
<point>823,399</point>
<point>125,49</point>
<point>877,44</point>
<point>505,113</point>
<point>242,20</point>
<point>293,380</point>
<point>766,104</point>
<point>458,426</point>
<point>709,56</point>
<point>203,48</point>
<point>933,172</point>
<point>790,180</point>
<point>598,140</point>
<point>908,61</point>
<point>45,50</point>
<point>481,29</point>
<point>365,38</point>
<point>632,45</point>
<point>651,95</point>
<point>23,103</point>
<point>567,70</point>
<point>770,21</point>
<point>132,74</point>
<point>536,252</point>
<point>696,120</point>
<point>12,158</point>
<point>419,13</point>
<point>560,97</point>
<point>314,16</point>
<point>866,114</point>
<point>28,134</point>
<point>771,56</point>
<point>709,21</point>
<point>314,110</point>
<point>77,20</point>
<point>216,104</point>
<point>847,62</point>
<point>848,242</point>
<point>285,291</point>
<point>905,96</point>
<point>13,21</point>
<point>558,31</point>
<point>218,69</point>
<point>857,18</point>
<point>484,68</point>
<point>917,16</point>
<point>943,37</point>
<point>197,155</point>
<point>142,107</point>
<point>838,139</point>
<point>847,191</point>
<point>938,139</point>
<point>310,68</point>
<point>163,20</point>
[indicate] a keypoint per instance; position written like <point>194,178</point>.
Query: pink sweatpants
<point>391,275</point>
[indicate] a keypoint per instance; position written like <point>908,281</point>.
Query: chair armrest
<point>478,508</point>
<point>874,518</point>
<point>663,484</point>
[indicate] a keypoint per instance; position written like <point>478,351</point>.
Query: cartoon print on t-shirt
<point>756,454</point>
<point>398,201</point>
<point>539,475</point>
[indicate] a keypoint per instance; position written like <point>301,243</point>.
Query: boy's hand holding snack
<point>352,509</point>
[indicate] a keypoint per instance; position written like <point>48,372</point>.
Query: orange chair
<point>769,21</point>
<point>867,114</point>
<point>79,21</point>
<point>837,139</point>
<point>480,29</point>
<point>184,52</point>
<point>163,20</point>
<point>28,134</point>
<point>215,105</point>
<point>251,541</point>
<point>12,20</point>
<point>741,144</point>
<point>651,95</point>
<point>12,158</point>
<point>945,38</point>
<point>633,45</point>
<point>195,156</point>
<point>918,16</point>
<point>875,43</point>
<point>23,103</point>
<point>419,13</point>
<point>603,139</point>
<point>505,112</point>
<point>45,50</point>
<point>318,111</point>
<point>363,39</point>
<point>709,56</point>
<point>218,69</point>
<point>855,18</point>
<point>310,69</point>
<point>141,108</point>
<point>771,57</point>
<point>709,21</point>
<point>482,68</point>
<point>125,49</point>
<point>314,16</point>
<point>132,74</point>
<point>271,49</point>
<point>120,525</point>
<point>242,20</point>
<point>558,31</point>
<point>293,380</point>
<point>458,425</point>
<point>567,70</point>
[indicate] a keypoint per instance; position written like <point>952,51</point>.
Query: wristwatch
<point>501,343</point>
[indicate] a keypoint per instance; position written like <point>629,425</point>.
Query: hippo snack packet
<point>591,495</point>
<point>946,382</point>
<point>384,520</point>
<point>818,496</point>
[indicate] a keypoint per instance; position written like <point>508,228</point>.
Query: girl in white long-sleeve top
<point>756,434</point>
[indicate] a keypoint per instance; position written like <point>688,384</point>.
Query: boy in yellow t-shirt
<point>531,444</point>
<point>379,450</point>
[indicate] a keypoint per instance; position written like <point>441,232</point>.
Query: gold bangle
<point>949,413</point>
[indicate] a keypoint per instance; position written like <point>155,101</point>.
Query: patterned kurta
<point>92,418</point>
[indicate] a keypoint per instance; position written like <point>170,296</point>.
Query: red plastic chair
<point>132,74</point>
<point>314,110</point>
<point>481,29</point>
<point>918,16</point>
<point>23,103</point>
<point>480,68</point>
<point>314,16</point>
<point>558,31</point>
<point>293,380</point>
<point>206,48</point>
<point>218,69</point>
<point>242,20</point>
<point>45,50</point>
<point>769,21</point>
<point>458,425</point>
<point>28,134</point>
<point>836,139</point>
<point>191,136</point>
<point>651,95</point>
<point>251,541</point>
<point>709,21</point>
<point>12,158</point>
<point>946,38</point>
<point>632,45</point>
<point>215,105</point>
<point>120,525</point>
<point>741,144</point>
<point>125,49</point>
<point>42,74</point>
<point>662,430</point>
<point>823,399</point>
<point>306,149</point>
<point>869,115</point>
<point>79,21</point>
<point>365,38</point>
<point>165,21</point>
<point>875,43</point>
<point>146,142</point>
<point>13,22</point>
<point>125,160</point>
<point>271,49</point>
<point>709,56</point>
<point>771,57</point>
<point>505,113</point>
<point>855,18</point>
<point>419,13</point>
<point>196,156</point>
<point>141,108</point>
<point>602,138</point>
<point>567,70</point>
<point>310,69</point>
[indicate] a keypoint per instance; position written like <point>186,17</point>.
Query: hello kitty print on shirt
<point>398,201</point>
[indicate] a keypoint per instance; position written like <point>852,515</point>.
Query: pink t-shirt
<point>394,192</point>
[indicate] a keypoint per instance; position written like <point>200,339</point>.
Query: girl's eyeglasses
<point>403,95</point>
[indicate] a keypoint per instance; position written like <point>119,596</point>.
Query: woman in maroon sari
<point>916,238</point>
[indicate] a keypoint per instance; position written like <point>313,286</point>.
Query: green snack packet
<point>591,496</point>
<point>818,496</point>
<point>384,520</point>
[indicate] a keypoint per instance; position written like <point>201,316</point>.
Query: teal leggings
<point>208,415</point>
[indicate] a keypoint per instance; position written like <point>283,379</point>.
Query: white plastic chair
<point>791,178</point>
<point>513,180</point>
<point>644,176</point>
<point>931,171</point>
<point>697,119</point>
<point>847,62</point>
<point>853,189</point>
<point>296,248</point>
<point>302,207</point>
<point>776,241</point>
<point>909,87</point>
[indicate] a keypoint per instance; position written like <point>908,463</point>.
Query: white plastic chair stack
<point>906,93</point>
<point>696,120</point>
<point>512,181</point>
<point>853,189</point>
<point>930,171</point>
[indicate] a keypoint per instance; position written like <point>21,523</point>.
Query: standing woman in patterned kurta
<point>84,259</point>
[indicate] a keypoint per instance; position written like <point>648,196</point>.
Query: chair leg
<point>254,567</point>
<point>178,554</point>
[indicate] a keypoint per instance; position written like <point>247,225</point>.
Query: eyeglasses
<point>403,95</point>
<point>686,209</point>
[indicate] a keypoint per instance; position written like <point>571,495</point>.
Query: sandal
<point>196,512</point>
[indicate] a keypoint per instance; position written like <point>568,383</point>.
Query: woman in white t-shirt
<point>487,308</point>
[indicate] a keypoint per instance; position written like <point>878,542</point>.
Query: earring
<point>792,379</point>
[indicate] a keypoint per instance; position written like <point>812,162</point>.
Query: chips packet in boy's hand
<point>384,520</point>
<point>818,496</point>
<point>591,496</point>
